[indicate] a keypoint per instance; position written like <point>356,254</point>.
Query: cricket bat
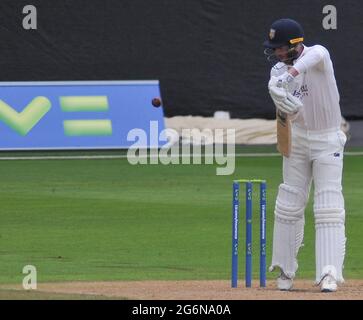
<point>283,133</point>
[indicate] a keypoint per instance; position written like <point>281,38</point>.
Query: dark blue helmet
<point>284,32</point>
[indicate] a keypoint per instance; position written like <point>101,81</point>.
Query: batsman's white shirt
<point>316,87</point>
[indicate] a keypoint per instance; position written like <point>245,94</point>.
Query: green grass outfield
<point>107,220</point>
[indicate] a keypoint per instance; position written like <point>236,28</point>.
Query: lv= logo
<point>23,122</point>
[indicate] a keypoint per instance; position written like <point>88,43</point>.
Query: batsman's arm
<point>313,58</point>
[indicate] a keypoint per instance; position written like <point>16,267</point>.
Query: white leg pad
<point>288,229</point>
<point>330,232</point>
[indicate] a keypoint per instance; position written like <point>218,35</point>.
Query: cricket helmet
<point>284,32</point>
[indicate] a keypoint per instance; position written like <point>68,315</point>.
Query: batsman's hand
<point>283,99</point>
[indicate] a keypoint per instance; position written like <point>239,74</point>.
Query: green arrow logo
<point>24,121</point>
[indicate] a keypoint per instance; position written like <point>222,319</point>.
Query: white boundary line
<point>106,157</point>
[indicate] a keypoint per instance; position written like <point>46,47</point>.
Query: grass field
<point>107,220</point>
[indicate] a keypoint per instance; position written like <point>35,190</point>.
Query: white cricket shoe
<point>284,283</point>
<point>329,282</point>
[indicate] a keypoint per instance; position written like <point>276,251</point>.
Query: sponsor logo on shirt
<point>302,92</point>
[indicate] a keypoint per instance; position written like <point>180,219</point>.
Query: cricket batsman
<point>304,91</point>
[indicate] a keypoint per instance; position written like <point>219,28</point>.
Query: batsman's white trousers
<point>315,156</point>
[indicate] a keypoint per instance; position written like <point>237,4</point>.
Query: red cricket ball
<point>156,102</point>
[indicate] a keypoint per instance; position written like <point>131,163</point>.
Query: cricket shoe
<point>284,283</point>
<point>329,282</point>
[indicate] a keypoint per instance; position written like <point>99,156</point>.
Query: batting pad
<point>288,229</point>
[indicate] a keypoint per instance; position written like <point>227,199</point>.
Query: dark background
<point>207,54</point>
